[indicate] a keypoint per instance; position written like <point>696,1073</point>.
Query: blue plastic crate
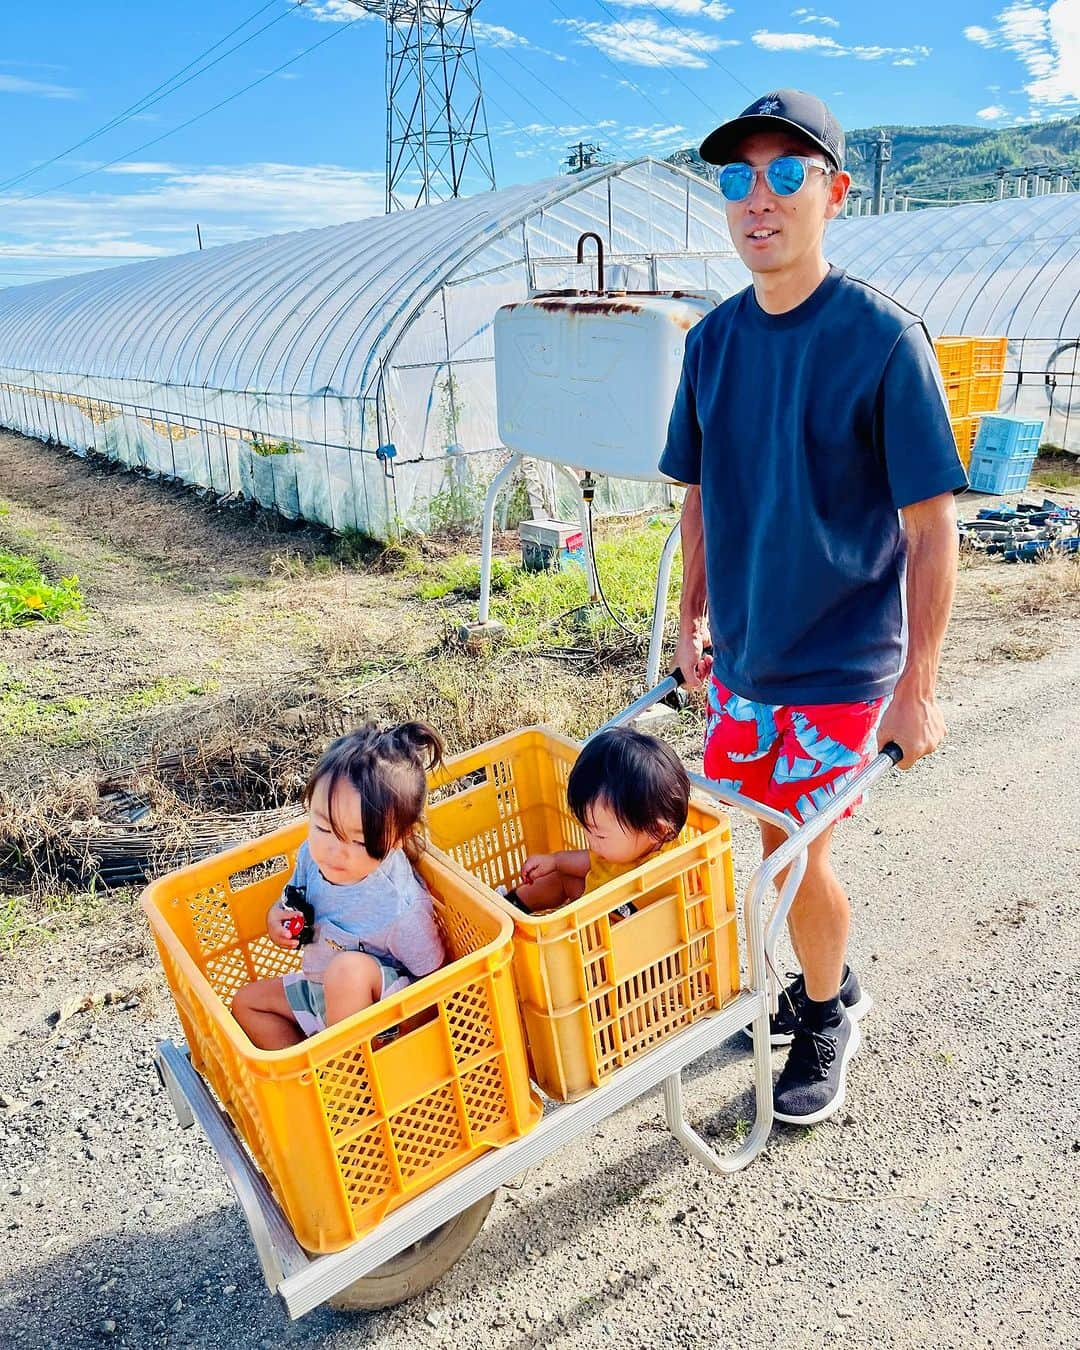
<point>999,473</point>
<point>1008,437</point>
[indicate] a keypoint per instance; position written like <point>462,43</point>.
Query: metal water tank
<point>587,379</point>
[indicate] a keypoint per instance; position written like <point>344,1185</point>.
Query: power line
<point>334,32</point>
<point>673,73</point>
<point>703,50</point>
<point>161,90</point>
<point>621,74</point>
<point>582,117</point>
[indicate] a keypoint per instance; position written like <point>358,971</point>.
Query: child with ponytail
<point>355,903</point>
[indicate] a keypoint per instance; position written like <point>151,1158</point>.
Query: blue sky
<point>305,145</point>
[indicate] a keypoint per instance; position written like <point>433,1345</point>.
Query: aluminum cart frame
<point>304,1281</point>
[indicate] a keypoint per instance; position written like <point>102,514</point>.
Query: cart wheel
<point>418,1267</point>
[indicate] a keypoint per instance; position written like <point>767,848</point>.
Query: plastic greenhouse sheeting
<point>286,369</point>
<point>1000,269</point>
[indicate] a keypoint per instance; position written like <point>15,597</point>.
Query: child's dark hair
<point>639,779</point>
<point>388,768</point>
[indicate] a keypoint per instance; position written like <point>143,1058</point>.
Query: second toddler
<point>630,793</point>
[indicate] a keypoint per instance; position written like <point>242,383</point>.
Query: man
<point>811,428</point>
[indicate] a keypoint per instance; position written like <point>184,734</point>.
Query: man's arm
<point>693,630</point>
<point>913,719</point>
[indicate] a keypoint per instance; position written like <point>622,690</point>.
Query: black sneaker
<point>793,999</point>
<point>812,1083</point>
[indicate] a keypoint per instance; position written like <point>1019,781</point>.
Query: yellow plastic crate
<point>958,396</point>
<point>988,355</point>
<point>964,430</point>
<point>594,993</point>
<point>955,356</point>
<point>985,393</point>
<point>346,1131</point>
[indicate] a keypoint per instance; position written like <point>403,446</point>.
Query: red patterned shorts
<point>793,759</point>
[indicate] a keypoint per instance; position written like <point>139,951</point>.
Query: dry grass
<point>1053,587</point>
<point>1017,647</point>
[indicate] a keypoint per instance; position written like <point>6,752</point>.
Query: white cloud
<point>499,36</point>
<point>694,9</point>
<point>104,246</point>
<point>15,84</point>
<point>642,42</point>
<point>654,135</point>
<point>147,168</point>
<point>808,16</point>
<point>336,11</point>
<point>495,35</point>
<point>993,113</point>
<point>1045,38</point>
<point>827,46</point>
<point>156,217</point>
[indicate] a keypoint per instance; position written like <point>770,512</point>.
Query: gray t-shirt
<point>389,915</point>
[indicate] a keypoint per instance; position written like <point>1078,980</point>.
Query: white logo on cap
<point>768,106</point>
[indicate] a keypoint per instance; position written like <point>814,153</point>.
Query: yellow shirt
<point>601,870</point>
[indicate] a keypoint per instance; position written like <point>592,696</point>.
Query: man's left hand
<point>914,721</point>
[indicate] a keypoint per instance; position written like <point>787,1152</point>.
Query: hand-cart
<point>412,1247</point>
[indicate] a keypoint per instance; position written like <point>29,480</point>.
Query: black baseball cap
<point>782,110</point>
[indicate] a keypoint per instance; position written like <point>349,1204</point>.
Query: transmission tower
<point>437,142</point>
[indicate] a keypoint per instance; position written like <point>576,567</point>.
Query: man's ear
<point>839,185</point>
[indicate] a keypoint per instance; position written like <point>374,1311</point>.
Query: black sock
<point>820,1016</point>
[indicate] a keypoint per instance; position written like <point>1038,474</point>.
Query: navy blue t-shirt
<point>808,431</point>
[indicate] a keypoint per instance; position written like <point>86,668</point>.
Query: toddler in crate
<point>355,903</point>
<point>630,793</point>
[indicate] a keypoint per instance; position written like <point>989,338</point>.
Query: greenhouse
<point>346,374</point>
<point>1001,269</point>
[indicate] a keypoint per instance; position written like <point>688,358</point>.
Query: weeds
<point>26,596</point>
<point>1053,587</point>
<point>552,609</point>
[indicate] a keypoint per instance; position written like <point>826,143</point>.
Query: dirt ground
<point>939,1209</point>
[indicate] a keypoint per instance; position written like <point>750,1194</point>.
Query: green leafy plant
<point>264,448</point>
<point>26,596</point>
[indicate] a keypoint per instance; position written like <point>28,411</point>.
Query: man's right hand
<point>691,659</point>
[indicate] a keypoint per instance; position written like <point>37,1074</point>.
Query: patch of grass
<point>460,576</point>
<point>163,690</point>
<point>15,921</point>
<point>351,550</point>
<point>552,608</point>
<point>41,712</point>
<point>27,596</point>
<point>27,920</point>
<point>1054,478</point>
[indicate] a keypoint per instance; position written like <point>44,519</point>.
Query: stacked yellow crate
<point>972,370</point>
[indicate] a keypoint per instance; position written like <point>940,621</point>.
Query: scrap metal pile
<point>1023,533</point>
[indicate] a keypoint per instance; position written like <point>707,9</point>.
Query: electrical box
<point>551,545</point>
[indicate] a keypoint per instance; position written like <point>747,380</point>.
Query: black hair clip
<point>301,924</point>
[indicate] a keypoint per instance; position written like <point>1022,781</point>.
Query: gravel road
<point>940,1209</point>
